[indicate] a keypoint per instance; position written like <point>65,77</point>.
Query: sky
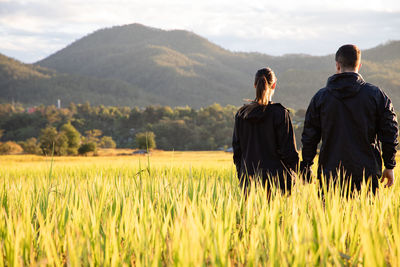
<point>31,30</point>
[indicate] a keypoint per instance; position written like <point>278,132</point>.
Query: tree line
<point>80,128</point>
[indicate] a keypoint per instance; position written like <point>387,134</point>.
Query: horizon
<point>233,51</point>
<point>34,29</point>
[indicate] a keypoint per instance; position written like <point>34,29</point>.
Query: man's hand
<point>389,175</point>
<point>305,171</point>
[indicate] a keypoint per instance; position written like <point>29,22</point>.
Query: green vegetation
<point>35,85</point>
<point>180,128</point>
<point>145,140</point>
<point>73,138</point>
<point>84,149</point>
<point>184,211</point>
<point>31,146</point>
<point>53,142</point>
<point>10,148</point>
<point>107,142</point>
<point>134,65</point>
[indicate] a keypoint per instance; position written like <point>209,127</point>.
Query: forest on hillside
<point>138,66</point>
<point>179,128</point>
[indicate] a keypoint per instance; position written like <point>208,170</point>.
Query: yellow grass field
<point>125,157</point>
<point>182,209</point>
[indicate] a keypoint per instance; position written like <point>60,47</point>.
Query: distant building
<point>31,110</point>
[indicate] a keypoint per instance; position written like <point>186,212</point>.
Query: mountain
<point>183,68</point>
<point>135,65</point>
<point>35,85</point>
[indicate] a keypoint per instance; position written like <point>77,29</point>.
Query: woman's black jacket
<point>263,141</point>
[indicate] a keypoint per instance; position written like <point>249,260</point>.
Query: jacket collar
<point>346,84</point>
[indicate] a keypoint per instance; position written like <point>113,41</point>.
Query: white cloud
<point>286,26</point>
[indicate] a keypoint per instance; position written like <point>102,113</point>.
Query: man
<point>352,117</point>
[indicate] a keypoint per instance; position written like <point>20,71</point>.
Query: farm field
<point>183,209</point>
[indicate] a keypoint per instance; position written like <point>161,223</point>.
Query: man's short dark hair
<point>348,56</point>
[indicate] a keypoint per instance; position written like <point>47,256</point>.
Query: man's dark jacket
<point>264,142</point>
<point>352,117</point>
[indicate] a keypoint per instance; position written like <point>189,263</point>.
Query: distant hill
<point>138,65</point>
<point>35,85</point>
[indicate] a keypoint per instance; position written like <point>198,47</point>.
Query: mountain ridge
<point>147,65</point>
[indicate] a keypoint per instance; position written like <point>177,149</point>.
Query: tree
<point>52,141</point>
<point>92,136</point>
<point>107,142</point>
<point>10,148</point>
<point>31,146</point>
<point>21,126</point>
<point>47,140</point>
<point>145,140</point>
<point>173,134</point>
<point>86,148</point>
<point>73,136</point>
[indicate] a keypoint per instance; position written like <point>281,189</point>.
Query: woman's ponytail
<point>261,90</point>
<point>263,82</point>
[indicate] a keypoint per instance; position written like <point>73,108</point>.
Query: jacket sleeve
<point>237,152</point>
<point>387,130</point>
<point>311,136</point>
<point>287,142</point>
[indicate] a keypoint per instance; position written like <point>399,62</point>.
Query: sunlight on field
<point>182,208</point>
<point>107,159</point>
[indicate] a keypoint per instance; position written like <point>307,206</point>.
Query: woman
<point>263,140</point>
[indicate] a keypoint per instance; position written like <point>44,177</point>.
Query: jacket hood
<point>345,85</point>
<point>254,111</point>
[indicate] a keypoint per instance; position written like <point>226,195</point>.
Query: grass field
<point>184,209</point>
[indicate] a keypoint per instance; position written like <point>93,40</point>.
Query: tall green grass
<point>99,215</point>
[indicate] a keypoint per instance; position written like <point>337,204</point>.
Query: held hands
<point>305,171</point>
<point>389,175</point>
